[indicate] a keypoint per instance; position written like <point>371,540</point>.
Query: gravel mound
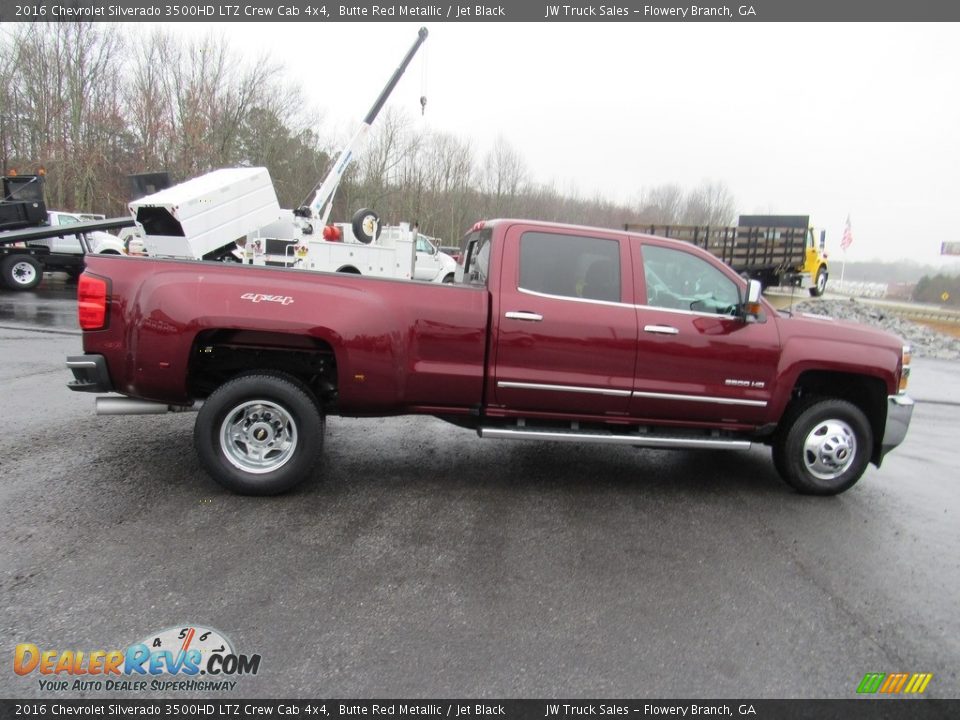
<point>925,341</point>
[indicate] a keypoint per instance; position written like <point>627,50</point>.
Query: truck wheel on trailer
<point>259,434</point>
<point>820,285</point>
<point>365,225</point>
<point>21,272</point>
<point>823,446</point>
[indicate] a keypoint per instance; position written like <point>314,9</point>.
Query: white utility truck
<point>233,214</point>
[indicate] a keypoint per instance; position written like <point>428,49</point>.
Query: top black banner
<point>444,11</point>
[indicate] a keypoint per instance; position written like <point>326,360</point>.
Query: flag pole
<point>845,243</point>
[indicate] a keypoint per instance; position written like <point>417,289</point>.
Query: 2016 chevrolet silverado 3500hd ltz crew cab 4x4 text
<point>550,333</point>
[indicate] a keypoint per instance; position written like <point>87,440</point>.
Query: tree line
<point>92,107</point>
<point>941,288</point>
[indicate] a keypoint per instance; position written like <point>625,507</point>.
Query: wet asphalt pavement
<point>424,562</point>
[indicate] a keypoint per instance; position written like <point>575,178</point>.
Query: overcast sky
<point>819,119</point>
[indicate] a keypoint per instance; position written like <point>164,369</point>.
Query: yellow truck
<point>777,250</point>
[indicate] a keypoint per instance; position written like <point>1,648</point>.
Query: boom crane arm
<point>319,206</point>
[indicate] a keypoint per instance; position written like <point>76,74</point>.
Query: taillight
<point>92,302</point>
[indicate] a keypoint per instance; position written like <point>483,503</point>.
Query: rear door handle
<point>661,329</point>
<point>521,315</point>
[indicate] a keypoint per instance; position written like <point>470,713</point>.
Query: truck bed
<point>398,345</point>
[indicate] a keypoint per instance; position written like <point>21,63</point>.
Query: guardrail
<point>917,312</point>
<point>782,298</point>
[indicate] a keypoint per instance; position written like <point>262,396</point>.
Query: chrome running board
<point>639,440</point>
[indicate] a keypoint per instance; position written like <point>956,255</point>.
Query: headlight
<point>905,368</point>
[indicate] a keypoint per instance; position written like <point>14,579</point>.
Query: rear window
<point>570,266</point>
<point>475,253</point>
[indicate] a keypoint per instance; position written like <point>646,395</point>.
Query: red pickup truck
<point>551,333</point>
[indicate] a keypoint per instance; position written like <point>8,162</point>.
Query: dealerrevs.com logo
<point>188,658</point>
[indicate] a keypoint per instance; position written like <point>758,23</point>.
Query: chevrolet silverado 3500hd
<point>551,332</point>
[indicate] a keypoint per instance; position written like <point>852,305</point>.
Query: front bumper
<point>90,374</point>
<point>899,412</point>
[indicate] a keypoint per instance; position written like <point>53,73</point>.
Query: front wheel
<point>259,434</point>
<point>820,284</point>
<point>21,272</point>
<point>823,446</point>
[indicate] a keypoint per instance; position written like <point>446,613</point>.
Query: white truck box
<point>391,255</point>
<point>206,213</point>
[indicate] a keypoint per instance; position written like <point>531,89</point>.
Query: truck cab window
<point>570,266</point>
<point>424,246</point>
<point>679,280</point>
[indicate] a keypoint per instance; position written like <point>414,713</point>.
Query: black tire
<point>448,280</point>
<point>349,270</point>
<point>820,283</point>
<point>366,225</point>
<point>822,446</point>
<point>272,414</point>
<point>21,272</point>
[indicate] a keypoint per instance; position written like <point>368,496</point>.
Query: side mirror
<point>751,305</point>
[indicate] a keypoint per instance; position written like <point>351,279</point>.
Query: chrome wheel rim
<point>24,273</point>
<point>258,437</point>
<point>821,282</point>
<point>830,449</point>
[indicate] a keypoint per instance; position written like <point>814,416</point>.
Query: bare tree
<point>60,107</point>
<point>662,204</point>
<point>502,178</point>
<point>452,198</point>
<point>190,103</point>
<point>711,203</point>
<point>149,100</point>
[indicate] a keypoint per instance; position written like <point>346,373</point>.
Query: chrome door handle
<point>520,315</point>
<point>661,329</point>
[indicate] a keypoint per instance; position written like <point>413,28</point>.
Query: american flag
<point>847,239</point>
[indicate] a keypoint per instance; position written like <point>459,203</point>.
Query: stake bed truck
<point>550,333</point>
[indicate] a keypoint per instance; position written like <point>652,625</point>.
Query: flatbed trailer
<point>22,264</point>
<point>774,249</point>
